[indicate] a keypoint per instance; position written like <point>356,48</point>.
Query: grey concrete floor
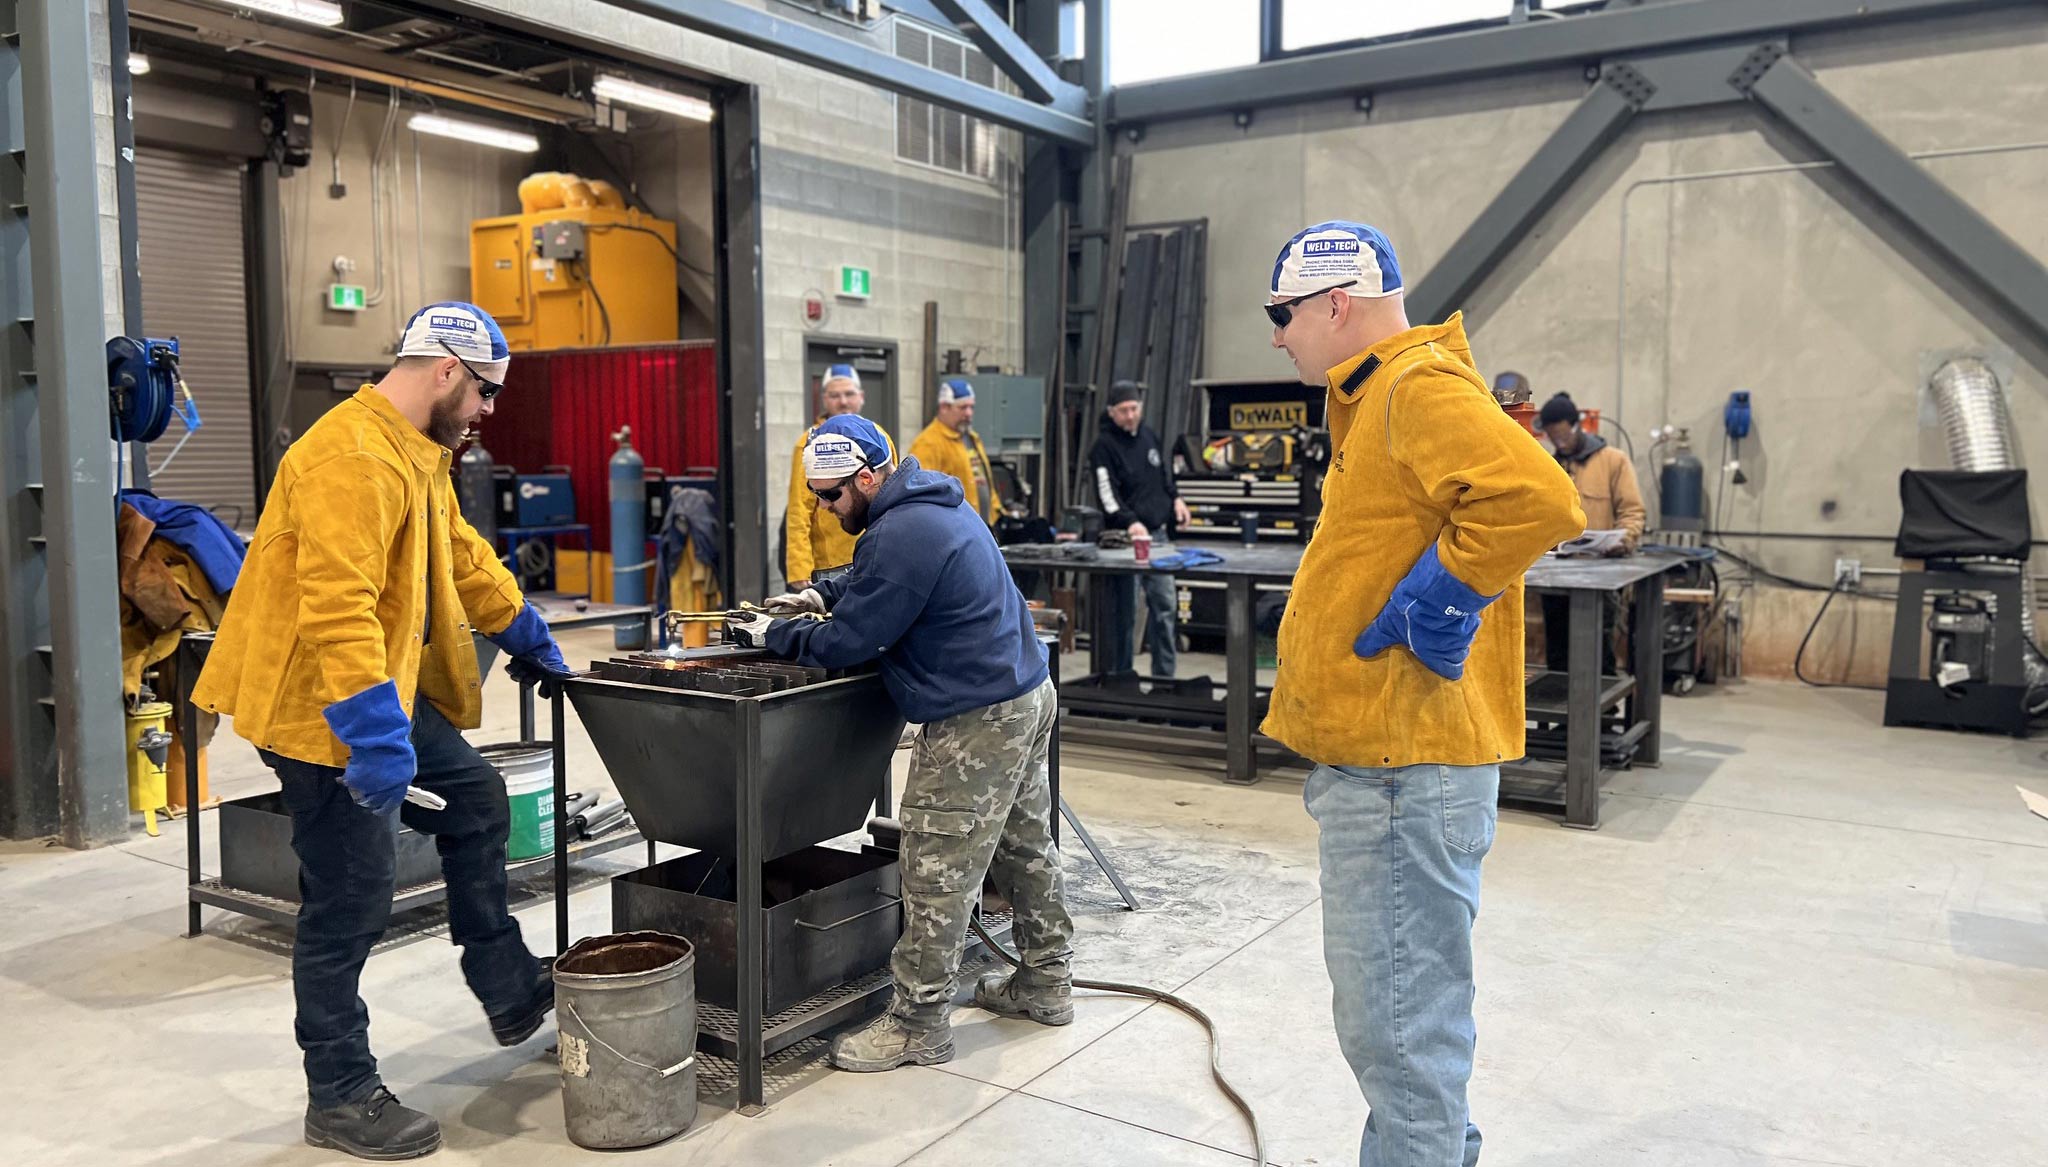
<point>1805,940</point>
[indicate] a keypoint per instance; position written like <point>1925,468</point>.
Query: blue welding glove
<point>536,659</point>
<point>378,734</point>
<point>1432,614</point>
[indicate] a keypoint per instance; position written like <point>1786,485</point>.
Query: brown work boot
<point>1005,993</point>
<point>886,1043</point>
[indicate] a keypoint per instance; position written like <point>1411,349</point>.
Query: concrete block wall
<point>1769,283</point>
<point>834,193</point>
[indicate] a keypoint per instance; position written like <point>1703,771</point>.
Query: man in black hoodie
<point>1134,484</point>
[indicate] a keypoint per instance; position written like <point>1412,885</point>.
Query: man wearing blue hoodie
<point>930,597</point>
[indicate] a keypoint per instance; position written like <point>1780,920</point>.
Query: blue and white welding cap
<point>464,328</point>
<point>955,389</point>
<point>842,373</point>
<point>1320,258</point>
<point>843,445</point>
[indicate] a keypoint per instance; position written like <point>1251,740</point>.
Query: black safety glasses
<point>1282,314</point>
<point>831,494</point>
<point>484,389</point>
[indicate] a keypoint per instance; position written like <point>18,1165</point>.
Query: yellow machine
<point>575,268</point>
<point>148,745</point>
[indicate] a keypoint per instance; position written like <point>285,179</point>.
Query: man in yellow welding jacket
<point>345,657</point>
<point>1400,669</point>
<point>815,547</point>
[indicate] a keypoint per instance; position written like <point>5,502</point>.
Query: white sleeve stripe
<point>1106,491</point>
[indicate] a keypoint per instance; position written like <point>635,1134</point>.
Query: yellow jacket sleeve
<point>798,558</point>
<point>1628,500</point>
<point>490,596</point>
<point>1506,499</point>
<point>348,509</point>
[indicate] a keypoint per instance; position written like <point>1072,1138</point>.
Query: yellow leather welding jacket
<point>362,570</point>
<point>939,447</point>
<point>812,536</point>
<point>1421,454</point>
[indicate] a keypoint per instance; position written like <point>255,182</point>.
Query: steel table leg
<point>1241,676</point>
<point>560,749</point>
<point>1649,666</point>
<point>526,713</point>
<point>1582,711</point>
<point>749,958</point>
<point>1098,621</point>
<point>188,674</point>
<point>1116,879</point>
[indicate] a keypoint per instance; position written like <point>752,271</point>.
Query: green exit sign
<point>855,283</point>
<point>345,297</point>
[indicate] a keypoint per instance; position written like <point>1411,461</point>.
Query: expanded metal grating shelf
<point>718,1028</point>
<point>521,873</point>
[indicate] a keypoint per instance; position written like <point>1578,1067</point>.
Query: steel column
<point>273,374</point>
<point>797,41</point>
<point>1015,58</point>
<point>69,339</point>
<point>2013,277</point>
<point>742,369</point>
<point>28,784</point>
<point>1533,190</point>
<point>1491,52</point>
<point>124,195</point>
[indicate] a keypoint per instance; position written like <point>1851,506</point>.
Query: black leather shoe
<point>378,1128</point>
<point>517,1027</point>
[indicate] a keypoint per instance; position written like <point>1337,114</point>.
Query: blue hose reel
<point>143,378</point>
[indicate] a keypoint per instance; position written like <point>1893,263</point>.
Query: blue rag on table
<point>1179,560</point>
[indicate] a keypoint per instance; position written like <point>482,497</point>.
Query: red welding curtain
<point>560,408</point>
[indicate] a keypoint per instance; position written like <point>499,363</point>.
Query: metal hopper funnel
<point>805,762</point>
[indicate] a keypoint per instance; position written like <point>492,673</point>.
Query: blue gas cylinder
<point>629,537</point>
<point>1682,490</point>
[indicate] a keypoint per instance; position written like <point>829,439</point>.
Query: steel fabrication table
<point>200,891</point>
<point>1246,568</point>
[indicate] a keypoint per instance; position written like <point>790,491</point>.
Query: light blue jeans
<point>1401,850</point>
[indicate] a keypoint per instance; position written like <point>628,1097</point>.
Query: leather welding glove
<point>751,632</point>
<point>536,659</point>
<point>789,603</point>
<point>1432,614</point>
<point>378,734</point>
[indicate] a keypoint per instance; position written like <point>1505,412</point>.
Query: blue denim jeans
<point>1401,850</point>
<point>347,872</point>
<point>1162,607</point>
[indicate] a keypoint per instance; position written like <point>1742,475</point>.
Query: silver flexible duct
<point>1980,437</point>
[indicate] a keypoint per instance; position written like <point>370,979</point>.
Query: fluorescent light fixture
<point>475,133</point>
<point>325,13</point>
<point>138,64</point>
<point>621,91</point>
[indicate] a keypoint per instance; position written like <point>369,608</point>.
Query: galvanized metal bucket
<point>626,1006</point>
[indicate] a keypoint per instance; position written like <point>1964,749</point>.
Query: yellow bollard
<point>148,746</point>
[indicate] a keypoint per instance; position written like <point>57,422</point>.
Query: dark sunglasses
<point>484,389</point>
<point>831,494</point>
<point>1282,314</point>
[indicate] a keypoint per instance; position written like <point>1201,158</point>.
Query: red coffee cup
<point>1141,548</point>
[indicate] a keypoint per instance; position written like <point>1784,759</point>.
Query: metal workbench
<point>1243,570</point>
<point>1577,701</point>
<point>202,891</point>
<point>1601,718</point>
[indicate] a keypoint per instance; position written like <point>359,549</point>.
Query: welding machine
<point>536,500</point>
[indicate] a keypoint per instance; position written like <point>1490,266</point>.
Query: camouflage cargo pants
<point>977,802</point>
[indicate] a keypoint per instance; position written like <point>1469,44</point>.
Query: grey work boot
<point>886,1043</point>
<point>378,1127</point>
<point>1006,993</point>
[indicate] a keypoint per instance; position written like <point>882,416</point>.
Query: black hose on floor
<point>1251,1116</point>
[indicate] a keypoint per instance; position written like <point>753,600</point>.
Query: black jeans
<point>347,872</point>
